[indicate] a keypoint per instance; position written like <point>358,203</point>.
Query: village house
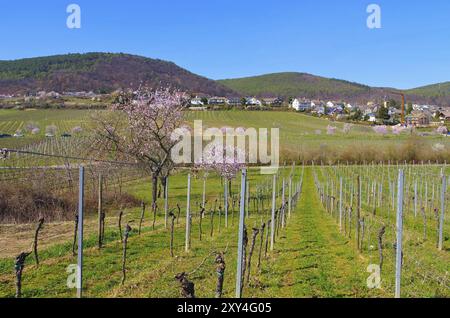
<point>319,110</point>
<point>301,105</point>
<point>371,117</point>
<point>338,108</point>
<point>273,102</point>
<point>445,115</point>
<point>217,101</point>
<point>294,104</point>
<point>196,101</point>
<point>235,101</point>
<point>418,119</point>
<point>268,101</point>
<point>350,108</point>
<point>252,101</point>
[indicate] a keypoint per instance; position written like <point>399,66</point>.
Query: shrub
<point>331,130</point>
<point>442,130</point>
<point>381,130</point>
<point>347,128</point>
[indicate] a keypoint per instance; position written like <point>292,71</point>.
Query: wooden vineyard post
<point>399,241</point>
<point>80,233</point>
<point>340,204</point>
<point>188,216</point>
<point>166,202</point>
<point>441,220</point>
<point>240,256</point>
<point>272,223</point>
<point>100,209</point>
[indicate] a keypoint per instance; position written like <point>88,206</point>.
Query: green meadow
<point>302,137</point>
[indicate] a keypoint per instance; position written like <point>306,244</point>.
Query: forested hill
<point>106,72</point>
<point>99,72</point>
<point>311,86</point>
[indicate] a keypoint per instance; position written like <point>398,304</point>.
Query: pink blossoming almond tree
<point>226,161</point>
<point>140,128</point>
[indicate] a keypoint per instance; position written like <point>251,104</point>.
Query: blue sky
<point>229,38</point>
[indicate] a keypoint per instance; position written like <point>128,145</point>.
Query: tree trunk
<point>163,185</point>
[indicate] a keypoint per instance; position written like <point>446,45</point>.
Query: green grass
<point>311,258</point>
<point>298,132</point>
<point>13,120</point>
<point>425,268</point>
<point>299,139</point>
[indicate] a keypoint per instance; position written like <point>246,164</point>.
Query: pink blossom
<point>331,130</point>
<point>381,130</point>
<point>152,116</point>
<point>347,128</point>
<point>227,161</point>
<point>397,130</point>
<point>442,130</point>
<point>77,130</point>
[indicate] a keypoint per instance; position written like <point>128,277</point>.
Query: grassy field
<point>302,137</point>
<point>311,258</point>
<point>12,121</point>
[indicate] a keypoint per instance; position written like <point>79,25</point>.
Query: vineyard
<point>302,138</point>
<point>317,251</point>
<point>319,227</point>
<point>365,201</point>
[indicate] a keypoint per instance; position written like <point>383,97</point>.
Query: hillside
<point>106,72</point>
<point>98,72</point>
<point>436,93</point>
<point>311,86</point>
